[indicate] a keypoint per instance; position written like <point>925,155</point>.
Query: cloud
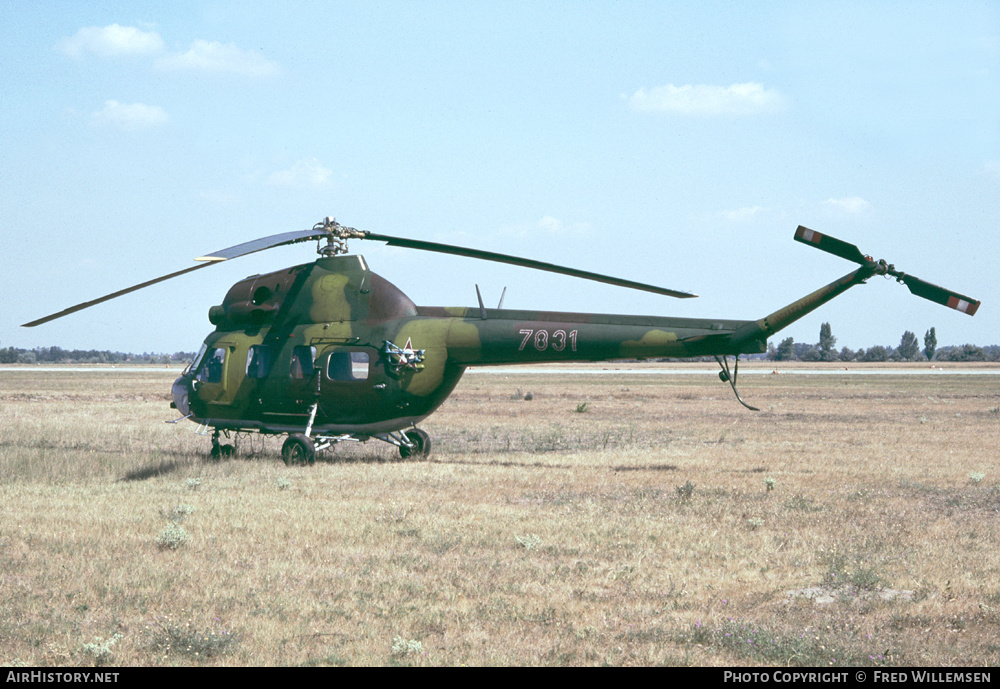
<point>130,116</point>
<point>546,225</point>
<point>553,225</point>
<point>110,41</point>
<point>739,99</point>
<point>550,224</point>
<point>212,56</point>
<point>116,40</point>
<point>743,214</point>
<point>848,204</point>
<point>304,173</point>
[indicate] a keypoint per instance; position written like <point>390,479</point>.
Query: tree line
<point>58,355</point>
<point>787,350</point>
<point>909,349</point>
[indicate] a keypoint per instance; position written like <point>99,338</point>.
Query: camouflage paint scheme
<point>337,305</point>
<point>329,350</point>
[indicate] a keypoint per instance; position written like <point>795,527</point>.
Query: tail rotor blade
<point>831,245</point>
<point>940,295</point>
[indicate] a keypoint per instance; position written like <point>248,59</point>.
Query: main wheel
<point>298,449</point>
<point>421,444</point>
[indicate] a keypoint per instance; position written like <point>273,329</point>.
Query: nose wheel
<point>220,451</point>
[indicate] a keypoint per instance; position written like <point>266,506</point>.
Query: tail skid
<point>726,377</point>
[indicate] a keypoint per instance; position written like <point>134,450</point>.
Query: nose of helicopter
<point>179,392</point>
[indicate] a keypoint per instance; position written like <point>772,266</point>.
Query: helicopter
<point>330,352</point>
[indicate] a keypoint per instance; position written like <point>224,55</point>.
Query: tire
<point>222,451</point>
<point>421,444</point>
<point>298,449</point>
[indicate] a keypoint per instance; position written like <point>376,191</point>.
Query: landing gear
<point>412,442</point>
<point>220,451</point>
<point>298,449</point>
<point>417,444</point>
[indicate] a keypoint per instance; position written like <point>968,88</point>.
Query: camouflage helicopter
<point>328,352</point>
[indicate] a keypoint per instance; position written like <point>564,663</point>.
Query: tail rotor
<point>920,288</point>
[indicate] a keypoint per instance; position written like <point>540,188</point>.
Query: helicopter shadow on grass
<point>377,457</point>
<point>150,470</point>
<point>373,457</point>
<point>549,465</point>
<point>500,459</point>
<point>648,467</point>
<point>501,463</point>
<point>153,470</point>
<point>163,467</point>
<point>167,467</point>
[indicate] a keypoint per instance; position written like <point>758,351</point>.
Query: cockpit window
<point>197,360</point>
<point>212,365</point>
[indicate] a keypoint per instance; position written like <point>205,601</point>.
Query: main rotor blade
<point>523,262</point>
<point>940,295</point>
<point>830,245</point>
<point>108,297</point>
<point>210,259</point>
<point>265,243</point>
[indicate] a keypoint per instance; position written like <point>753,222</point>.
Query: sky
<point>678,144</point>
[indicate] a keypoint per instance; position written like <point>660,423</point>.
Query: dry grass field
<point>626,519</point>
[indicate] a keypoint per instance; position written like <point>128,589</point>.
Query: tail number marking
<point>542,340</point>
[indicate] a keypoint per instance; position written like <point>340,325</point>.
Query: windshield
<point>193,366</point>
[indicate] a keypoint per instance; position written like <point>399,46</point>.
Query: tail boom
<point>783,317</point>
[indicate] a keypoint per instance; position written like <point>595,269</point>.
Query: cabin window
<point>303,363</point>
<point>348,366</point>
<point>212,366</point>
<point>258,361</point>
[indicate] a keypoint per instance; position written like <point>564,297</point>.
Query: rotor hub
<point>336,236</point>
